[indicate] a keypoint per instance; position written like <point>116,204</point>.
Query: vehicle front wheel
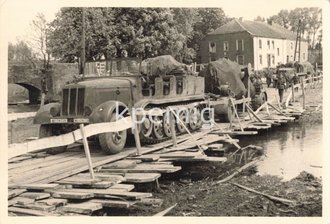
<point>113,142</point>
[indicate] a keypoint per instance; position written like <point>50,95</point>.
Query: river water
<point>289,150</point>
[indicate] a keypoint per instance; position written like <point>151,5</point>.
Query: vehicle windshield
<point>113,67</point>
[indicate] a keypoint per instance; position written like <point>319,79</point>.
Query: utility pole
<point>298,41</point>
<point>83,51</point>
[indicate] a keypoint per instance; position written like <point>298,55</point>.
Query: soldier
<point>281,86</point>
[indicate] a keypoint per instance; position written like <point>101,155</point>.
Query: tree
<point>282,18</point>
<point>142,32</point>
<point>39,38</point>
<point>21,53</point>
<point>65,35</point>
<point>208,19</point>
<point>311,21</point>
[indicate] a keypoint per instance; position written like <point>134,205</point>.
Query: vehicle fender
<point>104,111</point>
<point>46,112</point>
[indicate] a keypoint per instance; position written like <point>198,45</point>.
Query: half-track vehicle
<point>96,99</point>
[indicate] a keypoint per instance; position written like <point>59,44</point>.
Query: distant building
<point>258,43</point>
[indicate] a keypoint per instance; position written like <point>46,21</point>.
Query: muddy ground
<point>196,193</point>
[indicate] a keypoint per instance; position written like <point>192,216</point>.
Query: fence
<point>306,86</point>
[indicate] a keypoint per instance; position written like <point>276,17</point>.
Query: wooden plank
<point>68,194</point>
<point>39,165</point>
<point>29,212</point>
<point>15,192</point>
<point>35,195</point>
<point>141,177</point>
<point>103,176</point>
<point>20,200</point>
<point>104,193</point>
<point>38,207</point>
<point>216,159</point>
<point>86,208</point>
<point>146,169</point>
<point>236,132</point>
<point>53,202</point>
<point>180,154</point>
<point>113,203</point>
<point>19,158</point>
<point>74,180</point>
<point>145,158</point>
<point>123,187</point>
<point>69,138</point>
<point>122,164</point>
<point>31,162</point>
<point>35,186</point>
<point>80,166</point>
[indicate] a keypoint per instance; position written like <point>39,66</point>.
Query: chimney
<point>240,19</point>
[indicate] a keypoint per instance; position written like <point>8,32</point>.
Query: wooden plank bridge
<point>40,184</point>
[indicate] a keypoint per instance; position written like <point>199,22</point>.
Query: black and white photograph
<point>195,109</point>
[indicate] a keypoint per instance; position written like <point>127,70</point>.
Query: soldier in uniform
<point>281,82</point>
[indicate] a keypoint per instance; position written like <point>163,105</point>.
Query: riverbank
<point>197,194</point>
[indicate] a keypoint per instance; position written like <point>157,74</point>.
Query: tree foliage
<point>311,21</point>
<point>21,53</point>
<point>142,32</point>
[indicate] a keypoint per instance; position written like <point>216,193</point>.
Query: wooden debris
<point>73,194</point>
<point>246,166</point>
<point>86,208</point>
<point>35,195</point>
<point>163,213</point>
<point>273,198</point>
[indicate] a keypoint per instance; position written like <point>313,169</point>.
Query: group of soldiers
<point>280,80</point>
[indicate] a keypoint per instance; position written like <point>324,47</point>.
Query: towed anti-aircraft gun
<point>225,79</point>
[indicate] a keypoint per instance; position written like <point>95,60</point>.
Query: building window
<point>278,52</point>
<point>268,44</point>
<point>304,56</point>
<point>287,58</point>
<point>273,60</point>
<point>260,59</point>
<point>212,47</point>
<point>225,46</point>
<point>240,59</point>
<point>273,44</point>
<point>240,45</point>
<point>260,43</point>
<point>291,45</point>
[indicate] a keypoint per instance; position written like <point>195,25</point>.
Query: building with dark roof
<point>258,43</point>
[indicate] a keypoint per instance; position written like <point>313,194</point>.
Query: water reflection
<point>289,149</point>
